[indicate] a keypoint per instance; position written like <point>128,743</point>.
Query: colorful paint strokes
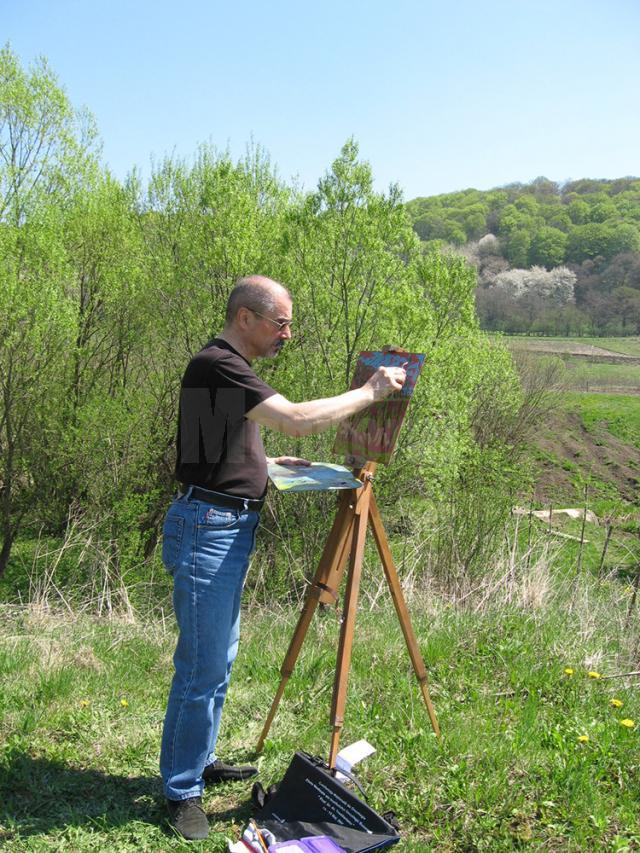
<point>371,435</point>
<point>317,477</point>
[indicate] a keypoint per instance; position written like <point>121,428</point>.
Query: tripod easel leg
<point>401,609</point>
<point>348,620</point>
<point>348,536</point>
<point>335,570</point>
<point>331,565</point>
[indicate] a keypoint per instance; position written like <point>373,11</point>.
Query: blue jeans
<point>206,548</point>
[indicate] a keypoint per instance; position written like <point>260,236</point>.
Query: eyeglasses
<point>279,325</point>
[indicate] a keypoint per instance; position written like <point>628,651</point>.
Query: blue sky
<point>440,96</point>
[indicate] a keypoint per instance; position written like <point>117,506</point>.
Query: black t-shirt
<point>218,447</point>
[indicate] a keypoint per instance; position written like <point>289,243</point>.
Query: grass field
<point>531,753</point>
<point>590,440</point>
<point>590,377</point>
<point>585,371</point>
<point>593,436</point>
<point>620,414</point>
<point>622,346</point>
<point>534,753</point>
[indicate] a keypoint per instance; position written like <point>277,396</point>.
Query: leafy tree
<point>204,226</point>
<point>624,237</point>
<point>588,241</point>
<point>436,226</point>
<point>347,261</point>
<point>35,332</point>
<point>627,304</point>
<point>45,145</point>
<point>602,211</point>
<point>527,205</point>
<point>584,186</point>
<point>579,212</point>
<point>511,219</point>
<point>559,218</point>
<point>517,247</point>
<point>45,155</point>
<point>488,245</point>
<point>544,189</point>
<point>548,247</point>
<point>623,270</point>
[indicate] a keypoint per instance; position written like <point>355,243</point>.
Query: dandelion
<point>124,703</point>
<point>628,724</point>
<point>84,703</point>
<point>617,703</point>
<point>594,674</point>
<point>568,670</point>
<point>583,739</point>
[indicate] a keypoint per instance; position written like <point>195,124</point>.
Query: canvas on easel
<point>371,434</point>
<point>362,437</point>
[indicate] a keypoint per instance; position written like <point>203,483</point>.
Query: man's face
<point>270,329</point>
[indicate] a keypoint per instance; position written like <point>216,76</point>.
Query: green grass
<point>582,374</point>
<point>66,570</point>
<point>586,376</point>
<point>623,346</point>
<point>619,413</point>
<point>621,557</point>
<point>82,701</point>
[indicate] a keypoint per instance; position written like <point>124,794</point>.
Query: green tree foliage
<point>585,223</point>
<point>588,241</point>
<point>347,252</point>
<point>548,247</point>
<point>108,289</point>
<point>45,157</point>
<point>518,246</point>
<point>625,237</point>
<point>578,211</point>
<point>45,145</point>
<point>627,303</point>
<point>35,331</point>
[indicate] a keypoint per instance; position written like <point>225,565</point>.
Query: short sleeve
<point>232,372</point>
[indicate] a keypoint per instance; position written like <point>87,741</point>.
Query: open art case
<point>310,801</point>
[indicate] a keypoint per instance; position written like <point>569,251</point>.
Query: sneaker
<point>188,818</point>
<point>218,771</point>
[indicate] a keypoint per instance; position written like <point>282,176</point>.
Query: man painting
<point>209,531</point>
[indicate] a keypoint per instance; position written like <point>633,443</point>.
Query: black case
<point>311,801</point>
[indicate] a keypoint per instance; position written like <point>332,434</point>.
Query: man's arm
<point>314,416</point>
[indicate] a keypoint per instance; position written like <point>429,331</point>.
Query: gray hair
<point>256,292</point>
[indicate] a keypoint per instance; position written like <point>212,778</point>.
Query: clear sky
<point>439,95</point>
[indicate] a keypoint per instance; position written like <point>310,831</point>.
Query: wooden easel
<point>356,509</point>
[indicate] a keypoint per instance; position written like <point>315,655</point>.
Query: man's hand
<point>289,460</point>
<point>386,380</point>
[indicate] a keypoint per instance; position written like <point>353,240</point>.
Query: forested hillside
<point>551,259</point>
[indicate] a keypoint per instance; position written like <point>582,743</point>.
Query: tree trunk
<point>5,551</point>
